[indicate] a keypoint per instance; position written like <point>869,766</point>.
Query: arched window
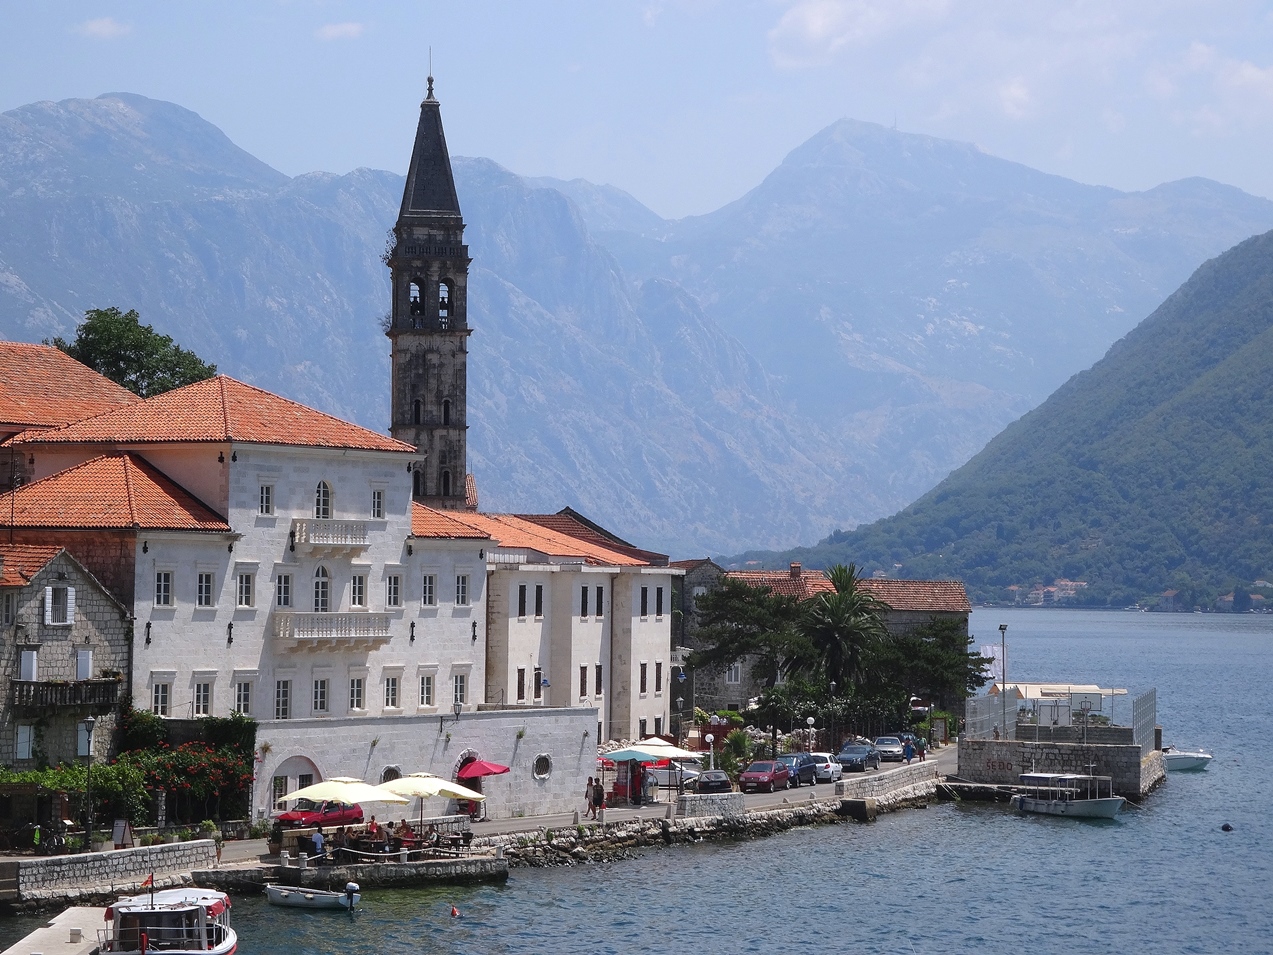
<point>322,591</point>
<point>444,305</point>
<point>416,307</point>
<point>446,412</point>
<point>417,411</point>
<point>446,483</point>
<point>391,773</point>
<point>417,484</point>
<point>323,501</point>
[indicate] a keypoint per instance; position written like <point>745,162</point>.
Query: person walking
<point>587,799</point>
<point>598,796</point>
<point>908,751</point>
<point>921,747</point>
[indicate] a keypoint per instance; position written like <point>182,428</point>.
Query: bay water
<point>964,877</point>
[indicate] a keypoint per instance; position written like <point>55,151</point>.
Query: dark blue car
<point>803,768</point>
<point>856,757</point>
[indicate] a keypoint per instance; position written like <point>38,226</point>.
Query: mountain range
<point>812,356</point>
<point>1146,472</point>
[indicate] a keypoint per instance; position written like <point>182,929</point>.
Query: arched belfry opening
<point>446,412</point>
<point>417,412</point>
<point>417,484</point>
<point>416,305</point>
<point>446,483</point>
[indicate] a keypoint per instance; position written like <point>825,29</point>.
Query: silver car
<point>890,748</point>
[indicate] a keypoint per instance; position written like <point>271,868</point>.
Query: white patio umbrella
<point>426,786</point>
<point>664,749</point>
<point>347,790</point>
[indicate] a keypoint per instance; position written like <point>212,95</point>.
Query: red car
<point>765,774</point>
<point>308,813</point>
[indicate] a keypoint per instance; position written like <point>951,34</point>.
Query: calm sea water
<point>1163,878</point>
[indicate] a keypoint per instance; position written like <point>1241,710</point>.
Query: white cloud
<point>103,28</point>
<point>815,31</point>
<point>1015,98</point>
<point>339,31</point>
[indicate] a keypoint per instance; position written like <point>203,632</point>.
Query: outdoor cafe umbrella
<point>426,785</point>
<point>665,749</point>
<point>479,768</point>
<point>345,789</point>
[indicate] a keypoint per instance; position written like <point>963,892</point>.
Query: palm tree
<point>840,631</point>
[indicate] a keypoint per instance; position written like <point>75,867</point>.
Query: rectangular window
<point>583,680</point>
<point>521,601</point>
<point>59,605</point>
<point>283,590</point>
<point>644,667</point>
<point>163,588</point>
<point>539,600</point>
<point>265,503</point>
<point>658,601</point>
<point>521,684</point>
<point>462,590</point>
<point>24,739</point>
<point>641,729</point>
<point>538,677</point>
<point>203,699</point>
<point>599,689</point>
<point>658,726</point>
<point>393,591</point>
<point>429,590</point>
<point>304,779</point>
<point>426,689</point>
<point>658,676</point>
<point>203,590</point>
<point>645,602</point>
<point>243,698</point>
<point>600,605</point>
<point>279,787</point>
<point>391,692</point>
<point>247,590</point>
<point>355,693</point>
<point>734,674</point>
<point>82,740</point>
<point>282,699</point>
<point>159,694</point>
<point>583,601</point>
<point>320,696</point>
<point>460,685</point>
<point>83,664</point>
<point>377,504</point>
<point>9,613</point>
<point>358,591</point>
<point>28,665</point>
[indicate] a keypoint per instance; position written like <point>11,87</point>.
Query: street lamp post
<point>89,723</point>
<point>1003,677</point>
<point>810,721</point>
<point>710,740</point>
<point>835,739</point>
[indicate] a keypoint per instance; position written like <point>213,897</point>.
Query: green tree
<point>935,661</point>
<point>115,344</point>
<point>841,633</point>
<point>737,620</point>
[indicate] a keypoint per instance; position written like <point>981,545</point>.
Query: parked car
<point>307,813</point>
<point>669,776</point>
<point>826,768</point>
<point>857,757</point>
<point>890,748</point>
<point>711,781</point>
<point>768,775</point>
<point>800,766</point>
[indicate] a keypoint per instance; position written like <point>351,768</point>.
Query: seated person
<point>318,841</point>
<point>373,828</point>
<point>404,831</point>
<point>431,835</point>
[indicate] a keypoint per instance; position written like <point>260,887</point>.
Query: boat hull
<point>1186,762</point>
<point>1106,808</point>
<point>308,898</point>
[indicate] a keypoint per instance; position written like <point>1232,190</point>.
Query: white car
<point>827,769</point>
<point>677,770</point>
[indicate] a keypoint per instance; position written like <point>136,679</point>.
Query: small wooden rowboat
<point>303,898</point>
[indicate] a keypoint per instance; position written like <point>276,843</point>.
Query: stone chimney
<point>795,569</point>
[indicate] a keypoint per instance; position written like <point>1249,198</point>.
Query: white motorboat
<point>1177,760</point>
<point>303,898</point>
<point>176,921</point>
<point>1068,794</point>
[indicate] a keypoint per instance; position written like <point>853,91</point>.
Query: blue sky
<point>686,104</point>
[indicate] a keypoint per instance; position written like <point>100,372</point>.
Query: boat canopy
<point>1054,691</point>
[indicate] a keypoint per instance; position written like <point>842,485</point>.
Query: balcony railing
<point>316,536</point>
<point>36,693</point>
<point>299,631</point>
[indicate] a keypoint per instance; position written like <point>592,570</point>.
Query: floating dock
<point>74,932</point>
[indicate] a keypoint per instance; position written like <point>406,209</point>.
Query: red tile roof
<point>426,522</point>
<point>571,524</point>
<point>119,491</point>
<point>42,387</point>
<point>516,533</point>
<point>690,564</point>
<point>927,596</point>
<point>217,410</point>
<point>470,492</point>
<point>802,584</point>
<point>20,562</point>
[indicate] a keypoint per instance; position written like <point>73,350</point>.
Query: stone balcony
<point>329,538</point>
<point>37,694</point>
<point>331,631</point>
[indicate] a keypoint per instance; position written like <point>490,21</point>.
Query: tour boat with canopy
<point>1068,794</point>
<point>176,921</point>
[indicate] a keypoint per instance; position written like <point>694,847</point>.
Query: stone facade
<point>708,689</point>
<point>107,555</point>
<point>55,674</point>
<point>1003,761</point>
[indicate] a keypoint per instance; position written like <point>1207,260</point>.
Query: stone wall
<point>874,785</point>
<point>98,875</point>
<point>1106,735</point>
<point>711,804</point>
<point>1003,762</point>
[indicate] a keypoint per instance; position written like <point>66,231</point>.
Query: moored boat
<point>1068,794</point>
<point>312,898</point>
<point>1177,760</point>
<point>177,921</point>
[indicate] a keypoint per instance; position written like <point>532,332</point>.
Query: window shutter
<point>48,605</point>
<point>70,604</point>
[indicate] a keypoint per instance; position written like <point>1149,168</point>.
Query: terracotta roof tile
<point>426,522</point>
<point>516,533</point>
<point>802,585</point>
<point>42,387</point>
<point>20,562</point>
<point>470,492</point>
<point>110,491</point>
<point>690,564</point>
<point>217,410</point>
<point>569,524</point>
<point>931,596</point>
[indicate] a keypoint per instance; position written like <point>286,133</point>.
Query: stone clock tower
<point>428,324</point>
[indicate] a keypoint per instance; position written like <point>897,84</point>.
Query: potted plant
<point>276,838</point>
<point>209,829</point>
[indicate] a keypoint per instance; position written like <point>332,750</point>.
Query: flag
<point>150,881</point>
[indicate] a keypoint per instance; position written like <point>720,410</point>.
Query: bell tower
<point>428,322</point>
